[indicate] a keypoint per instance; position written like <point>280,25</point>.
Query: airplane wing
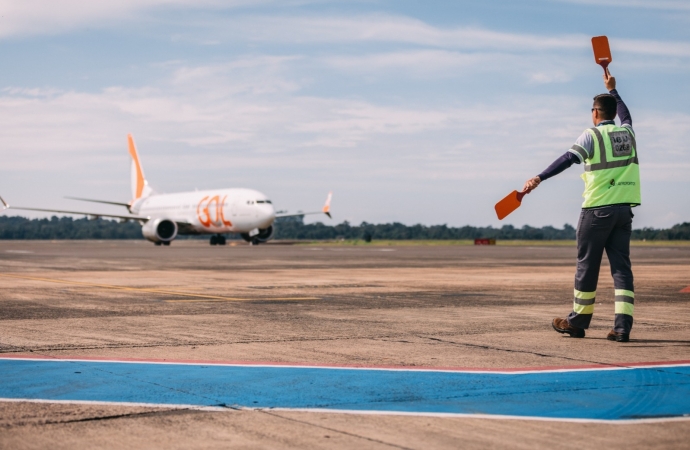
<point>126,205</point>
<point>325,210</point>
<point>60,211</point>
<point>187,227</point>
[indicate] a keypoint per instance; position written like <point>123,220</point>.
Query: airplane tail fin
<point>140,187</point>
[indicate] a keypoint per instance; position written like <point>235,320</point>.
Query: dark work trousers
<point>607,228</point>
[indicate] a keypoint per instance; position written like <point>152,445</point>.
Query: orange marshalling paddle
<point>602,52</point>
<point>510,203</point>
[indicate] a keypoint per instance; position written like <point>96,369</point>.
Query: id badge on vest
<point>621,143</point>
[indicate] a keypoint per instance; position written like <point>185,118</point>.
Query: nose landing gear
<point>217,239</point>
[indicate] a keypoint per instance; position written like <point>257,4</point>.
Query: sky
<point>409,111</point>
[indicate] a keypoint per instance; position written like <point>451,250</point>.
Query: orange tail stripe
<point>135,158</point>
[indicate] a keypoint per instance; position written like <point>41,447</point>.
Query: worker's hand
<point>609,81</point>
<point>531,184</point>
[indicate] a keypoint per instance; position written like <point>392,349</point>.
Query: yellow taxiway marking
<point>197,297</point>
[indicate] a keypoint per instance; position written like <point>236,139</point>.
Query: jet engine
<point>262,236</point>
<point>160,231</point>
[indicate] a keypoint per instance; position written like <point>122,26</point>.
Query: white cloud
<point>47,17</point>
<point>31,17</point>
<point>654,48</point>
<point>288,143</point>
<point>380,28</point>
<point>260,110</point>
<point>445,63</point>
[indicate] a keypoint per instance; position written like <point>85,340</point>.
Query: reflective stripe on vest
<point>612,173</point>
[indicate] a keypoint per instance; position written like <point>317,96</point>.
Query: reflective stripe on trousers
<point>584,302</point>
<point>625,306</point>
<point>625,302</point>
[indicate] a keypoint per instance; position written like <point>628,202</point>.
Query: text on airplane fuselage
<point>204,214</point>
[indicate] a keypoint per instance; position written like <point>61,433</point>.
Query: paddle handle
<point>605,64</point>
<point>520,195</point>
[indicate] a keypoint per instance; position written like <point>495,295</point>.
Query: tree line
<point>399,231</point>
<point>70,228</point>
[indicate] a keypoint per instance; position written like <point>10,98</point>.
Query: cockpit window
<point>264,201</point>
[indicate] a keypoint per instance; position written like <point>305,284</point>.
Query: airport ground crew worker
<point>612,187</point>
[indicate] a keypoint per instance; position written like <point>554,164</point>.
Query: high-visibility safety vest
<point>612,174</point>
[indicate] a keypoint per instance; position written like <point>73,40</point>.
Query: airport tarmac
<point>400,307</point>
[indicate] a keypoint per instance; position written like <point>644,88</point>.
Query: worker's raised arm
<point>621,109</point>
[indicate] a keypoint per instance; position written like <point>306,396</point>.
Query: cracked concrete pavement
<point>428,306</point>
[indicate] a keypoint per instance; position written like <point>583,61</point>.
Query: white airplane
<point>216,212</point>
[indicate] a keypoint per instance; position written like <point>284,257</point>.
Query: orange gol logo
<point>204,214</point>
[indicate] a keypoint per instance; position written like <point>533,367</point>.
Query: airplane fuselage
<point>215,211</point>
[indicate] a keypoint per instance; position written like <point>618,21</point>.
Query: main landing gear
<point>217,239</point>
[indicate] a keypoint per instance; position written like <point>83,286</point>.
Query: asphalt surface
<point>411,307</point>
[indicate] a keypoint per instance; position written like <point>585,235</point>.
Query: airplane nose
<point>267,215</point>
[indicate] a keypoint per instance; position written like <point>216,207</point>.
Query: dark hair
<point>606,104</point>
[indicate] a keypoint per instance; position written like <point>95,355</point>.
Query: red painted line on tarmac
<point>611,366</point>
<point>685,290</point>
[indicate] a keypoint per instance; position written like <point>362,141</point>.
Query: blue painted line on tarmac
<point>612,394</point>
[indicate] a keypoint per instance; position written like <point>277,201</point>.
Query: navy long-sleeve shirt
<point>585,144</point>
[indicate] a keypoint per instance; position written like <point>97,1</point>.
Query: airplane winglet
<point>327,207</point>
<point>4,204</point>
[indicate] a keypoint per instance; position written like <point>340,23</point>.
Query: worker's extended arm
<point>559,165</point>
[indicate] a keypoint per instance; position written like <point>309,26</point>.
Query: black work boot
<point>619,337</point>
<point>562,326</point>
